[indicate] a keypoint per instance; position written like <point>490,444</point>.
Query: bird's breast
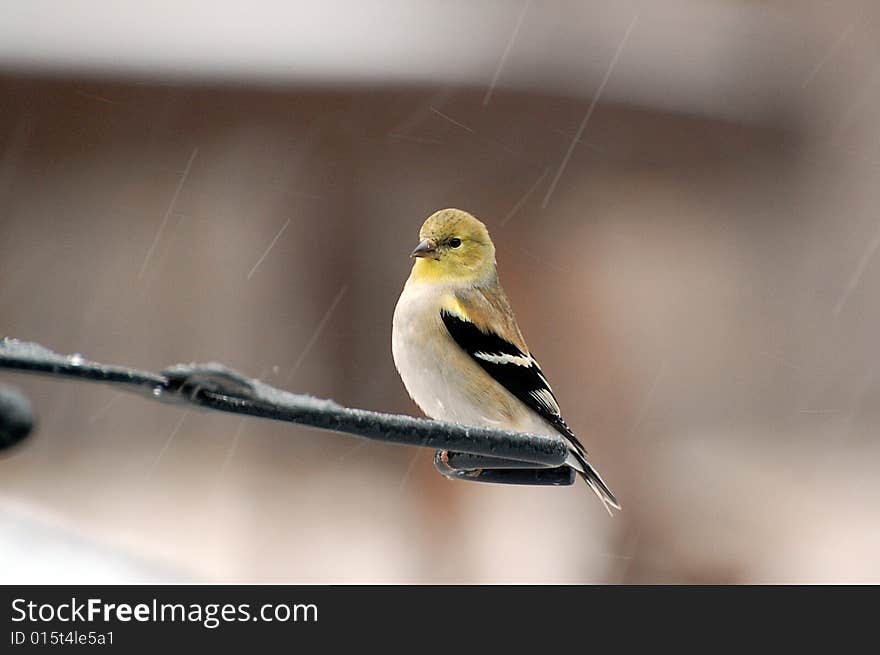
<point>439,376</point>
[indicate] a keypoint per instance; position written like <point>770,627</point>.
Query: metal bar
<point>215,387</point>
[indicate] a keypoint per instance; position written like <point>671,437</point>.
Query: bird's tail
<point>592,478</point>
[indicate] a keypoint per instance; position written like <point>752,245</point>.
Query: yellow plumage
<point>458,348</point>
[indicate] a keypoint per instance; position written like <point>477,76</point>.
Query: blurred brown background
<point>700,285</point>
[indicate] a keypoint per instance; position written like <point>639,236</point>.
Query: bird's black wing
<point>513,369</point>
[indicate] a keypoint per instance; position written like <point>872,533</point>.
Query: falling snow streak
<point>409,469</point>
<point>92,96</point>
<point>453,121</point>
<point>525,198</point>
<point>168,212</point>
<point>233,447</point>
<point>162,254</point>
<point>318,331</point>
<point>269,249</point>
<point>863,97</point>
<point>171,436</point>
<point>591,146</point>
<point>649,398</point>
<point>858,273</point>
<point>543,262</point>
<point>592,107</point>
<point>416,118</point>
<point>829,53</point>
<point>351,451</point>
<point>855,404</point>
<point>506,53</point>
<point>94,417</point>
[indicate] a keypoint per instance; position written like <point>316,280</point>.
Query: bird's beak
<point>427,248</point>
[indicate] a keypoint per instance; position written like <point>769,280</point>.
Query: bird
<point>459,351</point>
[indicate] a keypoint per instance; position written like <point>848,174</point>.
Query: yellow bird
<point>458,349</point>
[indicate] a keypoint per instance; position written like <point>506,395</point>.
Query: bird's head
<point>454,247</point>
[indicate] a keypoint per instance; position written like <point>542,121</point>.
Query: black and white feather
<point>516,371</point>
<point>520,374</point>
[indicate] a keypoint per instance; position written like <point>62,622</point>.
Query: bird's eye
<point>455,242</point>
